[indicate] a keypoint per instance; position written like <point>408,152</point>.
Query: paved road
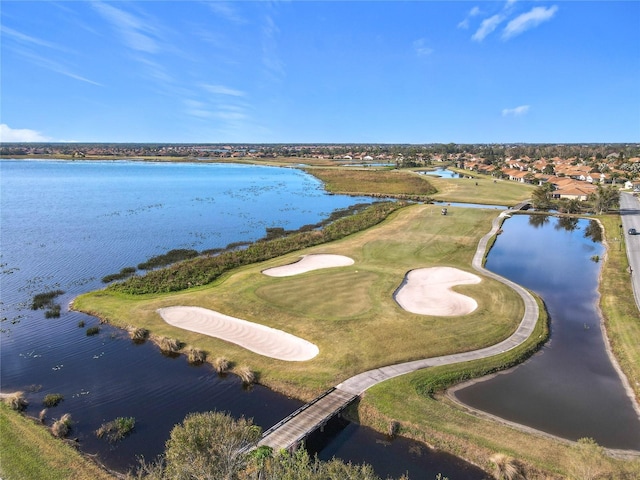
<point>630,215</point>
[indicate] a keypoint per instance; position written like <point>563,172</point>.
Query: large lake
<point>66,224</point>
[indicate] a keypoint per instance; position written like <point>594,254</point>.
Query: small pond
<point>570,388</point>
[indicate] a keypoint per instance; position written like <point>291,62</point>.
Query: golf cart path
<point>291,431</point>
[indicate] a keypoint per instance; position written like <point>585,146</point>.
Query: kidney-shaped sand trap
<point>427,291</point>
<point>308,263</point>
<point>258,338</point>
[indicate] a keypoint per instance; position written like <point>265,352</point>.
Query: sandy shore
<point>258,338</point>
<point>427,291</point>
<point>308,263</point>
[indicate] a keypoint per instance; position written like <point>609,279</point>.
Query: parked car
<point>632,231</point>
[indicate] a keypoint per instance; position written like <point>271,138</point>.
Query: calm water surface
<point>67,224</point>
<point>569,389</point>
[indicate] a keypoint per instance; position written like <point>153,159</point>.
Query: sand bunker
<point>308,263</point>
<point>427,291</point>
<point>252,336</point>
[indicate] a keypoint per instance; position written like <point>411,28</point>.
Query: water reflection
<point>569,389</point>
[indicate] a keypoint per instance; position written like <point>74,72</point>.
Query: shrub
<point>61,427</point>
<point>93,331</point>
<point>16,401</point>
<point>393,428</point>
<point>246,375</point>
<point>116,429</point>
<point>196,356</point>
<point>52,399</point>
<point>221,365</point>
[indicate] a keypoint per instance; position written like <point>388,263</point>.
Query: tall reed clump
<point>196,356</point>
<point>247,375</point>
<point>116,429</point>
<point>16,401</point>
<point>45,301</point>
<point>168,345</point>
<point>138,335</point>
<point>221,365</point>
<point>61,427</point>
<point>52,399</point>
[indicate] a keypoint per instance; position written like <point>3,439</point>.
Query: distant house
<point>574,191</point>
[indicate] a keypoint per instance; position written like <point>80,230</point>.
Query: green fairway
<point>349,312</point>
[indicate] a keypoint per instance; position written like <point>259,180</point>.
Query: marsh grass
<point>62,426</point>
<point>93,331</point>
<point>53,311</point>
<point>247,375</point>
<point>195,356</point>
<point>16,401</point>
<point>52,399</point>
<point>45,299</point>
<point>221,365</point>
<point>168,346</point>
<point>138,335</point>
<point>116,429</point>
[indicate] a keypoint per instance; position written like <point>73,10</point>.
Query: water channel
<point>66,224</point>
<point>570,388</point>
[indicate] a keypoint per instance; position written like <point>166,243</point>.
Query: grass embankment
<point>482,189</point>
<point>29,451</point>
<point>618,305</point>
<point>353,180</point>
<point>349,312</point>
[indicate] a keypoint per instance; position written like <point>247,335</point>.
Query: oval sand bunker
<point>427,291</point>
<point>258,338</point>
<point>308,263</point>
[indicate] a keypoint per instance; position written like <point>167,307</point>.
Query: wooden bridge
<point>291,432</point>
<point>525,205</point>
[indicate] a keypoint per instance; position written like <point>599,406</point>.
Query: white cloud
<point>19,135</point>
<point>515,112</point>
<point>421,48</point>
<point>225,10</point>
<point>472,13</point>
<point>134,31</point>
<point>222,90</point>
<point>526,21</point>
<point>487,26</point>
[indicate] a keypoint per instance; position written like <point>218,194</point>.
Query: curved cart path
<point>296,427</point>
<point>358,384</point>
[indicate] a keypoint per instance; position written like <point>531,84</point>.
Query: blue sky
<point>320,72</point>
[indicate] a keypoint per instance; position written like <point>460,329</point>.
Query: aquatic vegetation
<point>168,258</point>
<point>61,427</point>
<point>205,269</point>
<point>196,356</point>
<point>16,401</point>
<point>52,399</point>
<point>93,331</point>
<point>121,275</point>
<point>247,375</point>
<point>221,365</point>
<point>116,429</point>
<point>138,335</point>
<point>45,301</point>
<point>168,345</point>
